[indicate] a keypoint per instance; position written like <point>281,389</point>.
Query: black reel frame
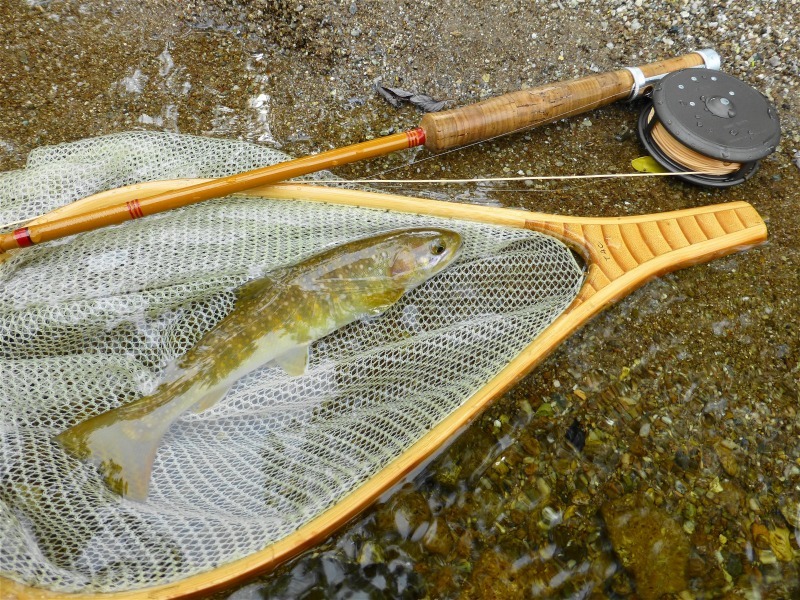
<point>715,115</point>
<point>645,127</point>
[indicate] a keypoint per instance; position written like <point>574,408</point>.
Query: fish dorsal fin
<point>294,361</point>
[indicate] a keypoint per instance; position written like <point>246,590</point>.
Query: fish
<point>274,320</point>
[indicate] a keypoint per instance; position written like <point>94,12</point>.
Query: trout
<point>273,320</point>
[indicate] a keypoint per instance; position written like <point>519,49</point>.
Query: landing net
<point>88,324</point>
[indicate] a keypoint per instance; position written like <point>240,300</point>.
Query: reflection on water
<point>601,476</point>
<point>514,510</point>
<point>255,119</point>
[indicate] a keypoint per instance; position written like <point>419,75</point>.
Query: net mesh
<point>89,324</point>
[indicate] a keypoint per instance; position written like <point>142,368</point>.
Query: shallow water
<point>669,422</point>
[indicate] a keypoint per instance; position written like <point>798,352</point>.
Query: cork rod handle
<point>544,104</point>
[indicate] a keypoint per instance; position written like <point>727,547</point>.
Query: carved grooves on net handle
<point>662,242</point>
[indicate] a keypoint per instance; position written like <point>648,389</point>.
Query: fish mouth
<point>451,243</point>
<point>458,242</point>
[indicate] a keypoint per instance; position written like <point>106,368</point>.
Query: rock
<point>696,567</point>
<point>781,544</point>
<point>687,460</point>
<point>733,564</point>
<point>727,459</point>
<point>731,499</point>
<point>406,513</point>
<point>650,545</point>
<point>760,536</point>
<point>493,577</point>
<point>439,537</point>
<point>370,554</point>
<point>530,444</point>
<point>791,512</point>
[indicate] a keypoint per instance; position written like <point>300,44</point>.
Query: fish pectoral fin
<point>377,311</point>
<point>294,361</point>
<point>210,399</point>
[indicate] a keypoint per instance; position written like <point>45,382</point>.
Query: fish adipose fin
<point>294,361</point>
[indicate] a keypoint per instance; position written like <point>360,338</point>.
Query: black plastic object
<point>716,115</point>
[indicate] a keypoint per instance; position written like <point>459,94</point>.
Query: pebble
<point>791,512</point>
<point>405,513</point>
<point>760,535</point>
<point>370,554</point>
<point>439,538</point>
<point>727,460</point>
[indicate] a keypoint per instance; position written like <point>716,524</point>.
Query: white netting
<point>87,325</point>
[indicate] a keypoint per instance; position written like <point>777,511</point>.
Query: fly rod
<point>484,120</point>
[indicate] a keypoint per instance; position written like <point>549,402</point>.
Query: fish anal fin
<point>210,399</point>
<point>294,361</point>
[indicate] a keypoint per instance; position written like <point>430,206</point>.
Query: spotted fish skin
<point>274,320</point>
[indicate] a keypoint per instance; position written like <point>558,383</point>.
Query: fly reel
<point>707,121</point>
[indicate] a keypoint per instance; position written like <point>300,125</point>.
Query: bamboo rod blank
<point>490,118</point>
<point>214,188</point>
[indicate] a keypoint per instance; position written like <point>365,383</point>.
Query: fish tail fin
<point>123,442</point>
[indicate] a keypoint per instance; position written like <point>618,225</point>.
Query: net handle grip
<point>547,103</point>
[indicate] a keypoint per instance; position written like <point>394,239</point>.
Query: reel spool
<point>708,121</point>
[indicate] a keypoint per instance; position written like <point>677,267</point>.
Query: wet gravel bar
<point>656,453</point>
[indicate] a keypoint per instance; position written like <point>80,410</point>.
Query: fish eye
<point>437,248</point>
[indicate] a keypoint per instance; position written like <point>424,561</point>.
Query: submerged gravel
<point>677,407</point>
